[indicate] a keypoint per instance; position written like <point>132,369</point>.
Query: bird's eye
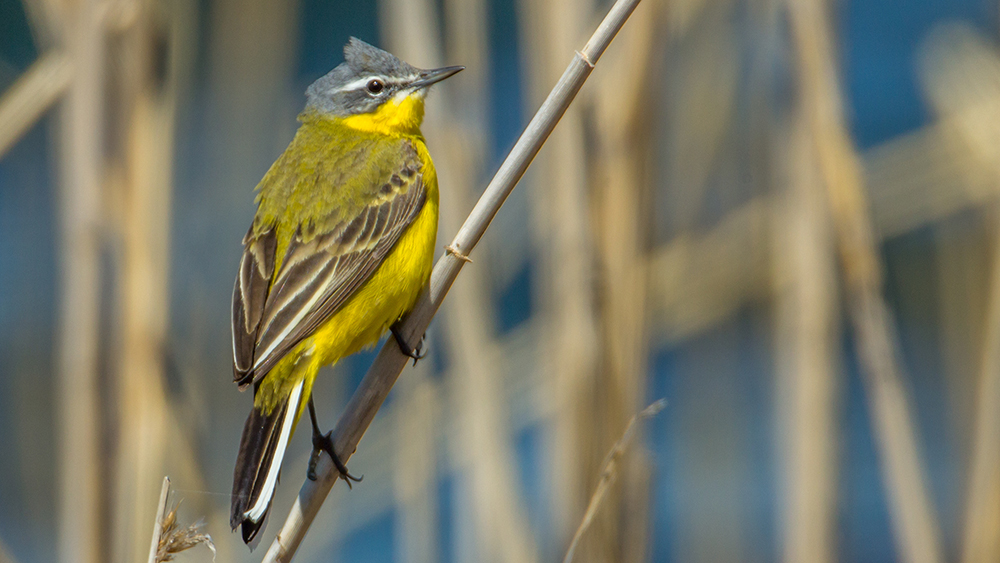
<point>375,86</point>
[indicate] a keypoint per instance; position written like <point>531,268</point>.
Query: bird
<point>340,248</point>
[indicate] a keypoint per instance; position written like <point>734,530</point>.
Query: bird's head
<point>372,90</point>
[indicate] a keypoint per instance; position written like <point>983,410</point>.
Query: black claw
<point>324,443</point>
<point>417,353</point>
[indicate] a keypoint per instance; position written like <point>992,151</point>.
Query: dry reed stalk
<point>80,217</point>
<point>963,266</point>
<point>563,240</point>
<point>696,115</point>
<point>609,474</point>
<point>389,363</point>
<point>806,337</point>
<point>48,21</point>
<point>485,446</point>
<point>147,103</point>
<point>914,523</point>
<point>981,540</point>
<point>700,104</point>
<point>621,183</point>
<point>501,523</point>
<point>467,40</point>
<point>924,177</point>
<point>411,27</point>
<point>416,420</point>
<point>251,108</point>
<point>27,100</point>
<point>962,77</point>
<point>161,509</point>
<point>698,280</point>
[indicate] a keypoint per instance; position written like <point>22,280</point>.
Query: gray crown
<point>343,91</point>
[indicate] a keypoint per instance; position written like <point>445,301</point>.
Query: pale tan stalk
<point>621,182</point>
<point>27,100</point>
<point>80,490</point>
<point>146,161</point>
<point>805,287</point>
<point>914,522</point>
<point>564,241</point>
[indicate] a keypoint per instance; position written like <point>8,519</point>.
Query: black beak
<point>428,77</point>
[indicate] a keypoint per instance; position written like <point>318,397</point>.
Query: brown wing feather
<point>249,296</point>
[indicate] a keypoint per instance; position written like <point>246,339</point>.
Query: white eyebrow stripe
<point>359,83</point>
<point>363,82</point>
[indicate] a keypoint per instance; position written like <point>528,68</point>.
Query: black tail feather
<point>258,453</point>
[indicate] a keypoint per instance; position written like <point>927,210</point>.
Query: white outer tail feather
<point>259,508</point>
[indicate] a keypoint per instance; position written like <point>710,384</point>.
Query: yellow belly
<point>390,293</point>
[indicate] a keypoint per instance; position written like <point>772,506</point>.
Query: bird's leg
<point>324,443</point>
<point>417,353</point>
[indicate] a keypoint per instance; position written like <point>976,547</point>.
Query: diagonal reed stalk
<point>37,90</point>
<point>915,526</point>
<point>390,362</point>
<point>161,509</point>
<point>609,474</point>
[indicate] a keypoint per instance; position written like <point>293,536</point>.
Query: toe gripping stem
<point>416,353</point>
<point>324,443</point>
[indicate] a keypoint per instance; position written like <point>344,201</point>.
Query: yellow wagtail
<point>339,250</point>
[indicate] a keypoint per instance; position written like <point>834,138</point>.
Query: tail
<point>261,449</point>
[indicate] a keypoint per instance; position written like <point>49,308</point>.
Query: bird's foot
<point>324,443</point>
<point>417,353</point>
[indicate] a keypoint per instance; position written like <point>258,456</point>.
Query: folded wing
<point>274,311</point>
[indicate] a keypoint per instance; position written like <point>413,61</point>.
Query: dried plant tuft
<point>170,538</point>
<point>175,539</point>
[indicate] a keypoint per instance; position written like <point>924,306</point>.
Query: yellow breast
<point>390,293</point>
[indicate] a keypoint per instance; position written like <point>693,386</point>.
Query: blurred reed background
<point>781,216</point>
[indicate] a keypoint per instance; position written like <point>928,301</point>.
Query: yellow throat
<point>400,115</point>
